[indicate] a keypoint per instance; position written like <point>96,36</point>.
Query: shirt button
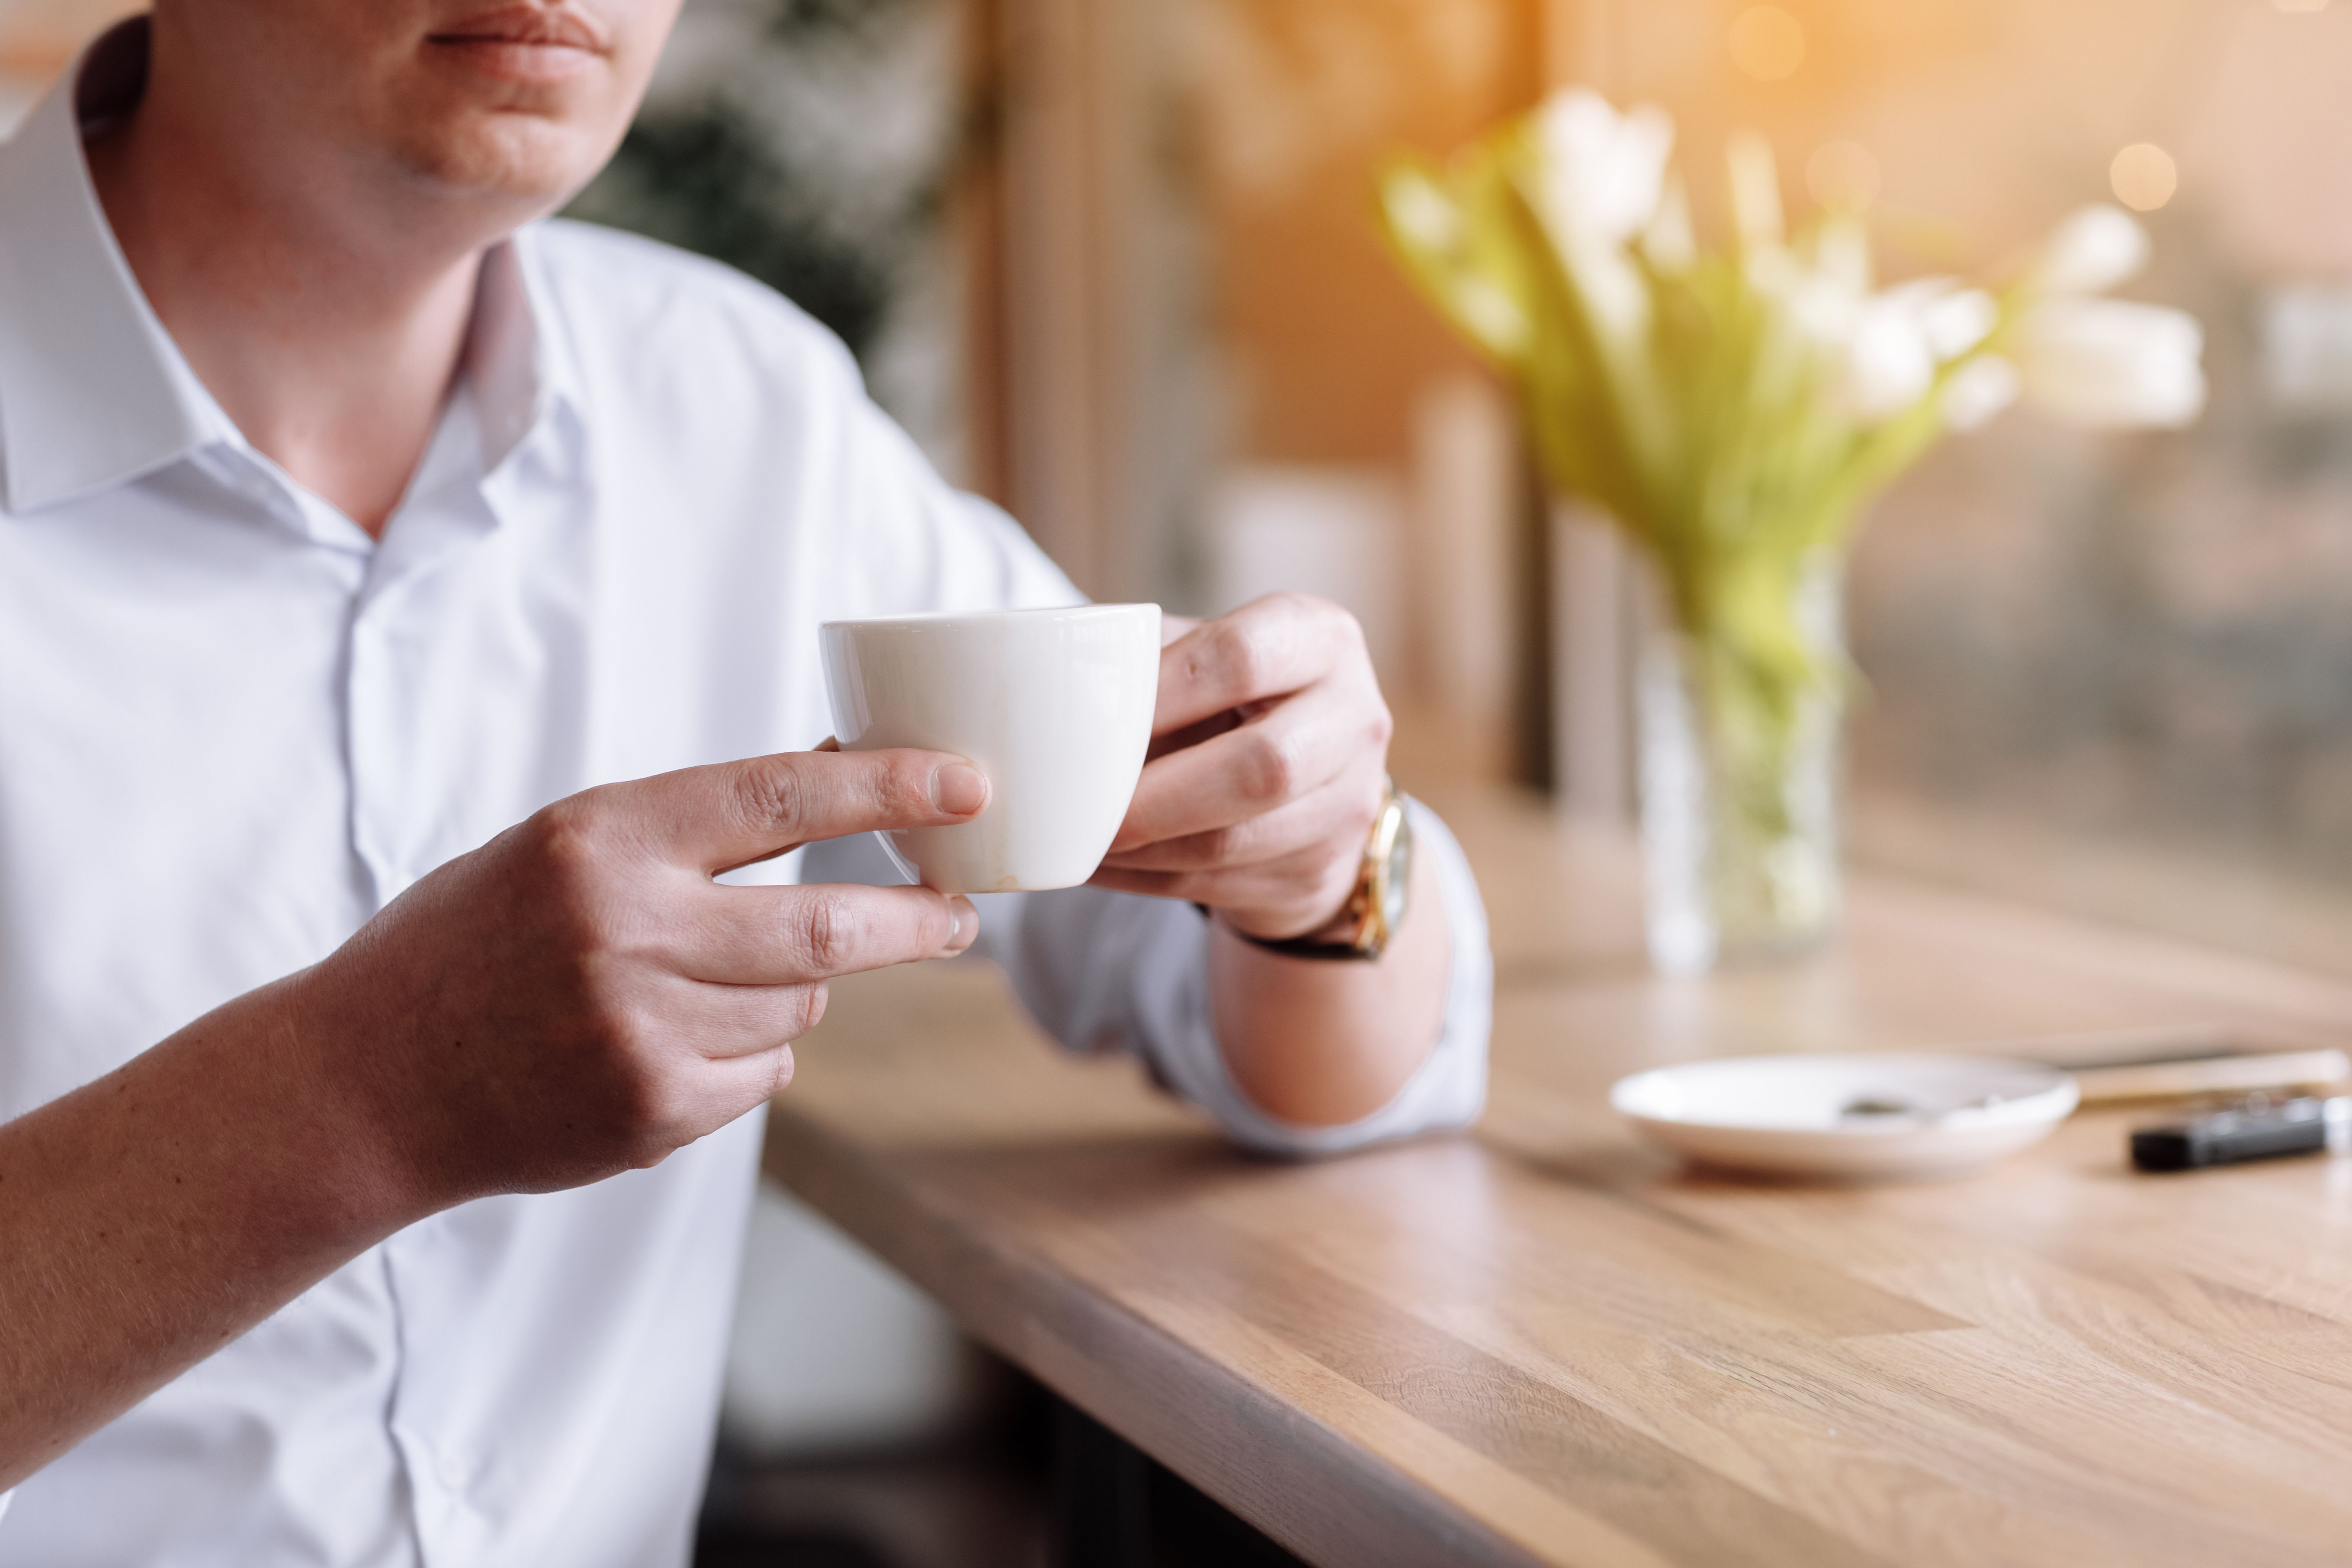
<point>451,1469</point>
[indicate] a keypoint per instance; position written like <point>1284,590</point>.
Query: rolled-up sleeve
<point>1104,971</point>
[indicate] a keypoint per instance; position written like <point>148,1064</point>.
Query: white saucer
<point>1851,1116</point>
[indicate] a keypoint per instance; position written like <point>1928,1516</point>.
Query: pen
<point>2256,1131</point>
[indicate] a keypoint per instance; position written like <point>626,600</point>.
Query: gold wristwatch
<point>1383,890</point>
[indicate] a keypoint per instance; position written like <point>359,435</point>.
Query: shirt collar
<point>94,393</point>
<point>519,359</point>
<point>92,390</point>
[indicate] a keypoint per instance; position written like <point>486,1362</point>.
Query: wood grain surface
<point>1544,1343</point>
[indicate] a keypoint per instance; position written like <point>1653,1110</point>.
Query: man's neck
<point>333,352</point>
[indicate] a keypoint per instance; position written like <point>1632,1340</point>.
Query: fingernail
<point>967,924</point>
<point>960,789</point>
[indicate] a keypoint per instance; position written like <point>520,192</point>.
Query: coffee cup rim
<point>933,618</point>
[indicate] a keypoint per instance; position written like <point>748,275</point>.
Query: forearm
<point>1321,1043</point>
<point>575,998</point>
<point>152,1215</point>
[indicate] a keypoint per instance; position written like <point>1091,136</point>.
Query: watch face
<point>1396,878</point>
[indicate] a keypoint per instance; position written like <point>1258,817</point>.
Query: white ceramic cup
<point>1054,705</point>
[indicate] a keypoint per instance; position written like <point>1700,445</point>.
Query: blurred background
<point>1111,261</point>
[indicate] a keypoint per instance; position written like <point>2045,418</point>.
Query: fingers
<point>1279,644</point>
<point>1343,809</point>
<point>783,936</point>
<point>1285,896</point>
<point>733,813</point>
<point>736,1084</point>
<point>1289,752</point>
<point>699,1020</point>
<point>1264,775</point>
<point>714,1092</point>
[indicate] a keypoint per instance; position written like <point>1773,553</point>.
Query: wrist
<point>344,1115</point>
<point>1375,905</point>
<point>1282,925</point>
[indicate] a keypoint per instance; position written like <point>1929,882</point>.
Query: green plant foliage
<point>1678,397</point>
<point>1734,409</point>
<point>1688,393</point>
<point>705,177</point>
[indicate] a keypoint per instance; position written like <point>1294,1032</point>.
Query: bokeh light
<point>1843,176</point>
<point>1767,43</point>
<point>2143,177</point>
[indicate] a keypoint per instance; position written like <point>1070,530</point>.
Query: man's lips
<point>528,43</point>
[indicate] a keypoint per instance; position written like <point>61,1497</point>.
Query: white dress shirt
<point>232,725</point>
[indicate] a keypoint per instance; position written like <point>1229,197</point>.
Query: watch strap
<point>1308,947</point>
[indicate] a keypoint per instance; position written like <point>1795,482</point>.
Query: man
<point>407,614</point>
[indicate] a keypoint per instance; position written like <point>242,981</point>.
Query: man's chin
<point>519,163</point>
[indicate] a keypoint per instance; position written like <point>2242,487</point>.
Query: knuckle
<point>572,900</point>
<point>655,1105</point>
<point>772,795</point>
<point>935,927</point>
<point>903,793</point>
<point>1269,767</point>
<point>568,841</point>
<point>1308,614</point>
<point>829,930</point>
<point>1290,602</point>
<point>1315,611</point>
<point>1241,655</point>
<point>1204,851</point>
<point>786,1013</point>
<point>620,1031</point>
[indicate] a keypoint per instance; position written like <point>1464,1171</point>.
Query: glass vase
<point>1739,814</point>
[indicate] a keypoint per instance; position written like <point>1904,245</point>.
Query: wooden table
<point>1545,1344</point>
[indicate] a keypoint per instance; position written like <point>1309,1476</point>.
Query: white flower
<point>1957,320</point>
<point>1820,305</point>
<point>1596,183</point>
<point>2090,253</point>
<point>1901,336</point>
<point>2111,363</point>
<point>1888,365</point>
<point>1601,171</point>
<point>1979,390</point>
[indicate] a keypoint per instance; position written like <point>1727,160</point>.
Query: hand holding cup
<point>579,995</point>
<point>1267,769</point>
<point>1241,767</point>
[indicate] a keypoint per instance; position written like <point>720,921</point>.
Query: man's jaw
<point>524,43</point>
